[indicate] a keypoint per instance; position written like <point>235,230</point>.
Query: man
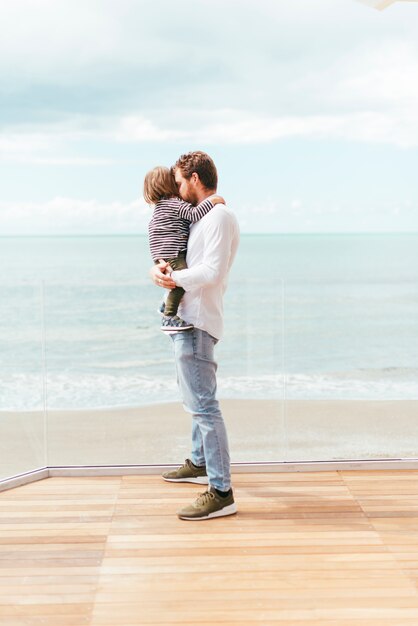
<point>212,246</point>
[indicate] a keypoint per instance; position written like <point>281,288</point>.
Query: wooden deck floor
<point>324,548</point>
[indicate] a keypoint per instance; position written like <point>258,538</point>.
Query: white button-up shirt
<point>211,250</point>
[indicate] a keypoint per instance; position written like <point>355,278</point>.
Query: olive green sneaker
<point>209,505</point>
<point>188,473</point>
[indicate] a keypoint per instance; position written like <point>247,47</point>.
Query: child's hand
<point>217,200</point>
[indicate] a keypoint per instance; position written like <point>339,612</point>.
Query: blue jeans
<point>196,377</point>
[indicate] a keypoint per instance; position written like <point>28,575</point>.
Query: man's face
<point>186,187</point>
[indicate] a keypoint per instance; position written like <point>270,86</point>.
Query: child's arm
<point>195,213</point>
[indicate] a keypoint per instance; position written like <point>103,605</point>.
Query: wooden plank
<point>277,622</point>
<point>318,549</point>
<point>104,616</point>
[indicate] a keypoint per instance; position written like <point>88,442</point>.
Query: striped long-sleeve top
<point>169,226</point>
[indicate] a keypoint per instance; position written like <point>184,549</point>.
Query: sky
<point>308,107</point>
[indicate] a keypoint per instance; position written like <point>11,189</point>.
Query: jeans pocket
<point>204,345</point>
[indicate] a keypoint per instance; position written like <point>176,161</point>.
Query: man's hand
<point>160,276</point>
<point>217,199</point>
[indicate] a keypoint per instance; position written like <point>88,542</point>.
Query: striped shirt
<point>169,226</point>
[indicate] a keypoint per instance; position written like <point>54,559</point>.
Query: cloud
<point>45,146</point>
<point>371,127</point>
<point>39,148</point>
<point>139,82</point>
<point>70,216</point>
<point>378,76</point>
<point>120,85</point>
<point>118,58</point>
<point>137,128</point>
<point>69,143</point>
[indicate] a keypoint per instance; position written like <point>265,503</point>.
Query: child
<point>169,232</point>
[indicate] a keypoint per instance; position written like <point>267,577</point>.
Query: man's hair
<point>202,164</point>
<point>159,184</point>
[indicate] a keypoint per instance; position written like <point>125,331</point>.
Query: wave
<point>87,390</point>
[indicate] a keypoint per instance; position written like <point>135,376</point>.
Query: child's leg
<point>176,294</point>
<point>173,301</point>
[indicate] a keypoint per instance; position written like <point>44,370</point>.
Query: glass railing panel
<point>22,389</point>
<point>318,363</point>
<point>112,390</point>
<point>351,369</point>
<point>251,369</point>
<point>111,378</point>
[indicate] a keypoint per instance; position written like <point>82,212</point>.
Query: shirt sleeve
<point>214,266</point>
<point>195,213</point>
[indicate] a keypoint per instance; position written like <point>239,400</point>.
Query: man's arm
<point>159,277</point>
<point>195,213</point>
<point>219,236</point>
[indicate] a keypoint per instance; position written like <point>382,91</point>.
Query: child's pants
<point>176,294</point>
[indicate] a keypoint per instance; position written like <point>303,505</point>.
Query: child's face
<point>186,187</point>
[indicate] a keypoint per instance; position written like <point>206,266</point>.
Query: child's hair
<point>159,184</point>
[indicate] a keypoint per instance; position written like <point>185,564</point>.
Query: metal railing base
<point>236,468</point>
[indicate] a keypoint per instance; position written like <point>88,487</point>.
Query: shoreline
<point>259,431</point>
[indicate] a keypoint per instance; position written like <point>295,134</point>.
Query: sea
<point>318,316</point>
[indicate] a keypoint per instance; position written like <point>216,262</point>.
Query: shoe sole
<point>227,510</point>
<point>173,329</point>
<point>199,480</point>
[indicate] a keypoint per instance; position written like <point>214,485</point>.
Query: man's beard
<point>190,196</point>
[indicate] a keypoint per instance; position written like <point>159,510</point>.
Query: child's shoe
<point>174,323</point>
